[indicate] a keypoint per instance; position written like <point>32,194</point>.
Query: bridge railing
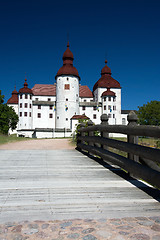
<point>141,162</point>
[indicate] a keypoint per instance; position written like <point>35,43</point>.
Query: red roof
<point>44,90</point>
<point>106,81</point>
<point>14,98</point>
<point>67,68</point>
<point>108,93</point>
<point>25,89</point>
<point>77,117</point>
<point>84,91</point>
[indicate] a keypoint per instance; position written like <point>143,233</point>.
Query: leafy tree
<point>8,117</point>
<point>149,114</point>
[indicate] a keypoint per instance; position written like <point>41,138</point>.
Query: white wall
<point>66,98</point>
<point>44,121</point>
<point>25,122</point>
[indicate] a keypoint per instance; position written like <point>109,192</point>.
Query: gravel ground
<point>88,229</point>
<point>46,144</point>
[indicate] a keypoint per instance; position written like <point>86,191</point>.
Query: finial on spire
<point>106,61</point>
<point>25,77</point>
<point>68,39</point>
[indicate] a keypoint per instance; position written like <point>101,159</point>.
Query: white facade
<point>67,100</point>
<point>49,111</point>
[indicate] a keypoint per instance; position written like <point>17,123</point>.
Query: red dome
<point>108,93</point>
<point>106,81</point>
<point>67,68</point>
<point>68,53</point>
<point>25,89</point>
<point>106,69</point>
<point>14,98</point>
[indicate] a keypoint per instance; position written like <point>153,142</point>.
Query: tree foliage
<point>149,114</point>
<point>8,117</point>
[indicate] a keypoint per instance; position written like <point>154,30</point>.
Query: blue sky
<point>33,38</point>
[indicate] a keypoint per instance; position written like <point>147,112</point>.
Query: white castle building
<point>53,110</point>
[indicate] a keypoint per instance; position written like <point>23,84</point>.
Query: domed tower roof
<point>14,98</point>
<point>108,93</point>
<point>25,89</point>
<point>106,81</point>
<point>68,68</point>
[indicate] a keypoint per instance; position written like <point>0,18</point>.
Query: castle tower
<point>25,107</point>
<point>67,91</point>
<point>107,82</point>
<point>13,101</point>
<point>108,105</point>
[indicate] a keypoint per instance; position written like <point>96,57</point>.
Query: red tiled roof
<point>80,117</point>
<point>84,91</point>
<point>14,98</point>
<point>44,90</point>
<point>50,90</point>
<point>25,89</point>
<point>106,81</point>
<point>108,93</point>
<point>68,68</point>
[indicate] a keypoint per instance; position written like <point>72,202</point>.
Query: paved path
<point>63,194</point>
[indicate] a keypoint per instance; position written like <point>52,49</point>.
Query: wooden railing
<point>141,162</point>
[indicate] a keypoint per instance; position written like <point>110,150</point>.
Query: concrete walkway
<point>63,194</point>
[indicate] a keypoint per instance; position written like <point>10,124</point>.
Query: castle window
<point>36,99</point>
<point>50,115</point>
<point>20,96</point>
<point>20,114</point>
<point>39,115</point>
<point>66,99</point>
<point>94,108</point>
<point>114,107</point>
<point>49,99</point>
<point>57,117</point>
<point>67,78</point>
<point>114,99</point>
<point>113,115</point>
<point>25,105</point>
<point>66,86</point>
<point>109,99</point>
<point>26,96</point>
<point>30,114</point>
<point>50,107</point>
<point>25,114</point>
<point>20,105</point>
<point>30,106</point>
<point>104,99</point>
<point>66,119</point>
<point>39,106</point>
<point>84,100</point>
<point>94,116</point>
<point>109,107</point>
<point>30,97</point>
<point>83,108</point>
<point>123,121</point>
<point>109,115</point>
<point>104,107</point>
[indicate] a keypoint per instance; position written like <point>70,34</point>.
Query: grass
<point>12,138</point>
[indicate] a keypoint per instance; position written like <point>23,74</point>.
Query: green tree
<point>149,114</point>
<point>8,117</point>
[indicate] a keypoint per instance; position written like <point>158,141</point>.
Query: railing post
<point>132,121</point>
<point>90,133</point>
<point>83,133</point>
<point>104,122</point>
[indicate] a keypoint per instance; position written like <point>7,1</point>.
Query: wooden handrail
<point>142,162</point>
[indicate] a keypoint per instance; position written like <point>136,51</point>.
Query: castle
<point>53,110</point>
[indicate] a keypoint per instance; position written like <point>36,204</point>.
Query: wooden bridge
<point>86,183</point>
<point>67,184</point>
